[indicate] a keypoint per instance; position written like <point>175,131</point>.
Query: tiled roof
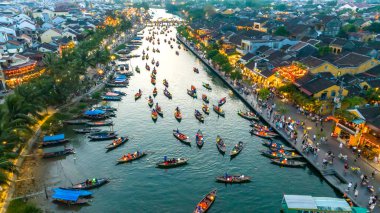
<point>247,56</point>
<point>351,60</point>
<point>316,85</point>
<point>312,61</point>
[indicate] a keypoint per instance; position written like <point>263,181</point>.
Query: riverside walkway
<point>334,174</point>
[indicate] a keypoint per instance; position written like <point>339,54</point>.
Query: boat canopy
<point>70,195</point>
<point>54,138</point>
<point>94,112</point>
<point>309,203</point>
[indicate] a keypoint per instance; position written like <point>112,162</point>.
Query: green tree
<point>350,102</point>
<point>281,7</point>
<point>264,93</point>
<point>374,27</point>
<point>281,31</point>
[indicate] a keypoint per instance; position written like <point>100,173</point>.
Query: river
<point>140,187</point>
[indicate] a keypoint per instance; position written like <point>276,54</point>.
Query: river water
<point>140,187</point>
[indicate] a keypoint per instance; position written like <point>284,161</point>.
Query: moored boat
<point>288,163</point>
<point>70,196</point>
<point>171,163</point>
<point>233,179</point>
<point>205,204</point>
<point>86,130</point>
<point>90,183</point>
<point>111,98</point>
<point>103,135</point>
<point>181,137</point>
<point>218,110</point>
<point>237,149</point>
<point>276,146</point>
<point>280,154</point>
<point>262,134</point>
<point>131,157</point>
<point>199,140</point>
<point>56,151</point>
<point>198,115</point>
<point>99,123</point>
<point>53,140</point>
<point>76,121</point>
<point>220,144</point>
<point>248,115</point>
<point>196,70</point>
<point>116,143</point>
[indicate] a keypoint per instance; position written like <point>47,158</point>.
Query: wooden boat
<point>116,143</point>
<point>90,184</point>
<point>99,123</point>
<point>86,130</point>
<point>57,152</point>
<point>206,85</point>
<point>109,84</point>
<point>138,95</point>
<point>53,140</point>
<point>165,82</point>
<point>218,110</point>
<point>237,149</point>
<point>220,144</point>
<point>157,63</point>
<point>154,71</point>
<point>131,157</point>
<point>159,110</point>
<point>192,93</point>
<point>205,109</point>
<point>248,115</point>
<point>138,69</point>
<point>233,179</point>
<point>178,115</point>
<point>76,121</point>
<point>176,52</point>
<point>153,81</point>
<point>150,102</point>
<point>171,163</point>
<point>104,135</point>
<point>181,137</point>
<point>205,98</point>
<point>262,134</point>
<point>153,62</point>
<point>167,93</point>
<point>288,163</point>
<point>257,125</point>
<point>147,67</point>
<point>199,138</point>
<point>196,70</point>
<point>205,204</point>
<point>222,101</point>
<point>198,115</point>
<point>106,108</point>
<point>111,98</point>
<point>153,76</point>
<point>154,92</point>
<point>276,146</point>
<point>280,153</point>
<point>154,115</point>
<point>120,93</point>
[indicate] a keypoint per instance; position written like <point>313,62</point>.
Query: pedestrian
<point>349,186</point>
<point>355,186</point>
<point>341,145</point>
<point>314,137</point>
<point>356,193</point>
<point>373,174</point>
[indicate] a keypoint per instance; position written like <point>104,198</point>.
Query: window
<point>324,96</point>
<point>326,67</point>
<point>333,93</point>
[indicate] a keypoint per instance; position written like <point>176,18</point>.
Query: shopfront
<point>346,133</point>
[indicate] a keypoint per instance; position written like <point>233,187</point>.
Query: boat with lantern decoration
<point>138,94</point>
<point>181,137</point>
<point>205,109</point>
<point>205,204</point>
<point>131,157</point>
<point>171,163</point>
<point>222,101</point>
<point>248,115</point>
<point>205,98</point>
<point>220,144</point>
<point>237,149</point>
<point>199,140</point>
<point>159,110</point>
<point>116,143</point>
<point>288,163</point>
<point>178,114</point>
<point>280,153</point>
<point>192,93</point>
<point>276,146</point>
<point>150,101</point>
<point>237,178</point>
<point>154,115</point>
<point>198,115</point>
<point>154,92</point>
<point>218,110</point>
<point>207,86</point>
<point>263,134</point>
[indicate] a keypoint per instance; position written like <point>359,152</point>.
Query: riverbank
<point>335,178</point>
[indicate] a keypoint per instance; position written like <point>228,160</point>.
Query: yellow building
<point>47,36</point>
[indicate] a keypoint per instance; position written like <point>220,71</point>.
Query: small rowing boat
<point>153,76</point>
<point>171,163</point>
<point>103,135</point>
<point>153,81</point>
<point>276,146</point>
<point>237,149</point>
<point>159,110</point>
<point>205,204</point>
<point>150,101</point>
<point>167,93</point>
<point>206,85</point>
<point>248,115</point>
<point>205,109</point>
<point>154,92</point>
<point>218,110</point>
<point>288,163</point>
<point>196,70</point>
<point>181,137</point>
<point>90,184</point>
<point>222,101</point>
<point>178,114</point>
<point>205,98</point>
<point>137,69</point>
<point>154,115</point>
<point>192,93</point>
<point>220,144</point>
<point>233,179</point>
<point>280,153</point>
<point>165,82</point>
<point>138,94</point>
<point>199,138</point>
<point>116,143</point>
<point>147,67</point>
<point>131,157</point>
<point>198,115</point>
